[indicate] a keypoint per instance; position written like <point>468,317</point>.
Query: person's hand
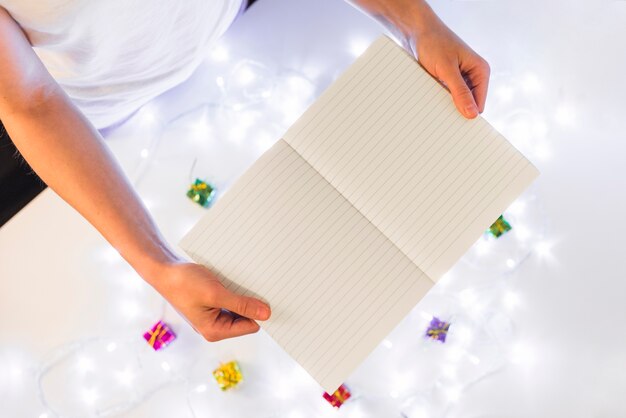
<point>213,311</point>
<point>445,56</point>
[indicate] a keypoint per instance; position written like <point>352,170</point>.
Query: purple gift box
<point>437,330</point>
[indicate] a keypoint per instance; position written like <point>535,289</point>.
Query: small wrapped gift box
<point>228,375</point>
<point>202,193</point>
<point>499,227</point>
<point>338,397</point>
<point>159,336</point>
<point>437,330</point>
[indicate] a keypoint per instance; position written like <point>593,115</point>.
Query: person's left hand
<point>445,56</point>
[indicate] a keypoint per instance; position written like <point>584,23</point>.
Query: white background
<point>563,60</point>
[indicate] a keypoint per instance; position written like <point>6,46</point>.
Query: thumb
<point>461,94</point>
<point>243,305</point>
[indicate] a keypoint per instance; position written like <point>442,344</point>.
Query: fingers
<point>478,76</point>
<point>245,306</point>
<point>222,324</point>
<point>461,93</point>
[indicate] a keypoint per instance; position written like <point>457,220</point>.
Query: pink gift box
<point>159,336</point>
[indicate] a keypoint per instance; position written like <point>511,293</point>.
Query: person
<point>69,68</point>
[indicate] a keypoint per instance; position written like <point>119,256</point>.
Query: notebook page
<point>337,286</point>
<point>388,137</point>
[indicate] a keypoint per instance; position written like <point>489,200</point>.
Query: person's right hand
<point>445,56</point>
<point>213,311</point>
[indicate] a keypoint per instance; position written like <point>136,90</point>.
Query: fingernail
<point>263,312</point>
<point>471,111</point>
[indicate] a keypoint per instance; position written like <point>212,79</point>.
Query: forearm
<point>69,155</point>
<point>408,17</point>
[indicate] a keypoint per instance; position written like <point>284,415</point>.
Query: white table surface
<point>59,282</point>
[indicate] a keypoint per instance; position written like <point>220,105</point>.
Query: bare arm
<point>438,50</point>
<point>68,153</point>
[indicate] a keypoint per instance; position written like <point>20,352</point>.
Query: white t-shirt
<point>113,56</point>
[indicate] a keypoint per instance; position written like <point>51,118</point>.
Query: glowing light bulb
<point>468,297</point>
<point>220,53</point>
<point>404,382</point>
<point>264,142</point>
<point>86,364</point>
<point>90,396</point>
<point>132,281</point>
<point>419,412</point>
<point>291,113</point>
<point>531,83</point>
<point>16,371</point>
<point>542,151</point>
<point>522,354</point>
<point>455,353</point>
<point>522,232</point>
<point>565,115</point>
<point>246,76</point>
<point>125,377</point>
<point>463,334</point>
<point>477,309</point>
<point>449,371</point>
<point>247,119</point>
<point>146,116</point>
<point>483,247</point>
<point>428,317</point>
<point>543,249</point>
<point>540,129</point>
<point>201,128</point>
<point>505,93</point>
<point>300,87</point>
<point>358,46</point>
<point>517,207</point>
<point>284,388</point>
<point>511,299</point>
<point>130,309</point>
<point>237,133</point>
<point>453,394</point>
<point>110,255</point>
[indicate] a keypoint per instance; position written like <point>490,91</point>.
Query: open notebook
<point>349,219</point>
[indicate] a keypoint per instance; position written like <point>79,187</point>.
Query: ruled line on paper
<point>245,186</point>
<point>449,244</point>
<point>374,192</point>
<point>352,102</point>
<point>403,155</point>
<point>377,52</point>
<point>336,249</point>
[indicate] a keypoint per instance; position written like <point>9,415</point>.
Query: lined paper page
<point>337,286</point>
<point>388,137</point>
